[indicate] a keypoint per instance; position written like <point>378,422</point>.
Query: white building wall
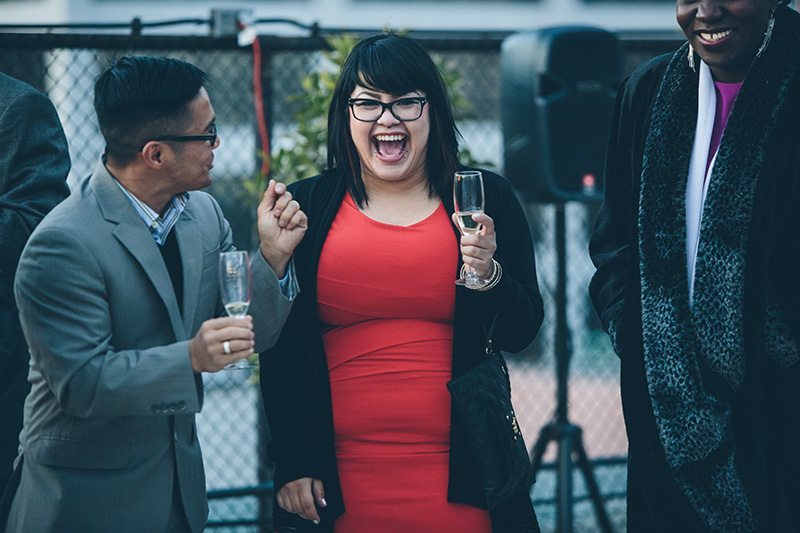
<point>33,11</point>
<point>370,14</point>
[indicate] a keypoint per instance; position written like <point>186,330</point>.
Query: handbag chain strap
<point>489,345</point>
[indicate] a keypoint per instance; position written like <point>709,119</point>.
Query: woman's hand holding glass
<point>477,249</point>
<point>478,243</point>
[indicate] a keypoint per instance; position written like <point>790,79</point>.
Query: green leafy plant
<point>305,150</point>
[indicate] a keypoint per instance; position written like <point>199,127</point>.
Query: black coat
<point>294,374</point>
<point>34,163</point>
<point>766,409</point>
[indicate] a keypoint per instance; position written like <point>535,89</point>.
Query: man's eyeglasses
<point>210,137</point>
<point>404,109</point>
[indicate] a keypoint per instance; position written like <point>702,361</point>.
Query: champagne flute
<point>234,286</point>
<point>468,201</point>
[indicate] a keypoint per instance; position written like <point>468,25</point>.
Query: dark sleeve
<point>514,304</point>
<point>782,209</point>
<point>288,376</point>
<point>612,244</point>
<point>286,383</point>
<point>34,163</point>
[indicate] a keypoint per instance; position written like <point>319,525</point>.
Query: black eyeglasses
<point>403,109</point>
<point>210,137</point>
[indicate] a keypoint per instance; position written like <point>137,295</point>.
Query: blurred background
<point>60,46</point>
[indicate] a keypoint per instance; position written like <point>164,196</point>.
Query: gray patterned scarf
<point>694,424</point>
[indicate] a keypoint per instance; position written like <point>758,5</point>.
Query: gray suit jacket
<point>34,163</point>
<point>109,423</point>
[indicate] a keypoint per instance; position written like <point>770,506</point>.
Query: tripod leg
<point>591,485</point>
<point>564,491</point>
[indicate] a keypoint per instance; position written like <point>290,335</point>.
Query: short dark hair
<point>397,65</point>
<point>140,97</point>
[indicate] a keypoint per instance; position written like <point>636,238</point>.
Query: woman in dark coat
<point>698,272</point>
<point>355,390</point>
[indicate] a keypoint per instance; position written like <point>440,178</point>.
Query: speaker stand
<point>567,436</point>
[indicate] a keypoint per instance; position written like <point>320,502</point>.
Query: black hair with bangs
<point>396,65</point>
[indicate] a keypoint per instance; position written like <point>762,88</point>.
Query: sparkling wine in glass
<point>468,201</point>
<point>465,222</point>
<point>234,286</point>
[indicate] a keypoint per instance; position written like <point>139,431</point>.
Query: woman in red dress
<point>355,390</point>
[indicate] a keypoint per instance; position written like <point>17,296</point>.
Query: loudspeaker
<point>558,87</point>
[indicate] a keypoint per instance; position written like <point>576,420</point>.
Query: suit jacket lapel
<point>189,245</point>
<point>131,232</point>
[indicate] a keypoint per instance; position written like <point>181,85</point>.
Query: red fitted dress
<point>386,296</point>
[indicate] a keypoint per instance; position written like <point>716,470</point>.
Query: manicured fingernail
<point>324,503</point>
<point>316,522</point>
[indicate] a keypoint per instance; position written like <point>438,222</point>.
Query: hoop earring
<point>690,57</point>
<point>767,35</point>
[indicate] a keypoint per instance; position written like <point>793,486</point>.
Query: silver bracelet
<point>494,277</point>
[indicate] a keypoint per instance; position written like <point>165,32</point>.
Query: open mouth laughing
<point>390,147</point>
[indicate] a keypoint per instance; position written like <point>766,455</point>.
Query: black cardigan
<point>294,373</point>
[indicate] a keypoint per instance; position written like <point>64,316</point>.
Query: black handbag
<point>482,403</point>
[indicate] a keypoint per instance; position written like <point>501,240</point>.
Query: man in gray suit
<point>118,290</point>
<point>34,164</point>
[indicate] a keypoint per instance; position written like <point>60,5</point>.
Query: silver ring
<point>226,347</point>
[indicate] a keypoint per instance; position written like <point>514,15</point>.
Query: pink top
<point>726,96</point>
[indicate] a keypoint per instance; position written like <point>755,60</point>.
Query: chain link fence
<point>232,427</point>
